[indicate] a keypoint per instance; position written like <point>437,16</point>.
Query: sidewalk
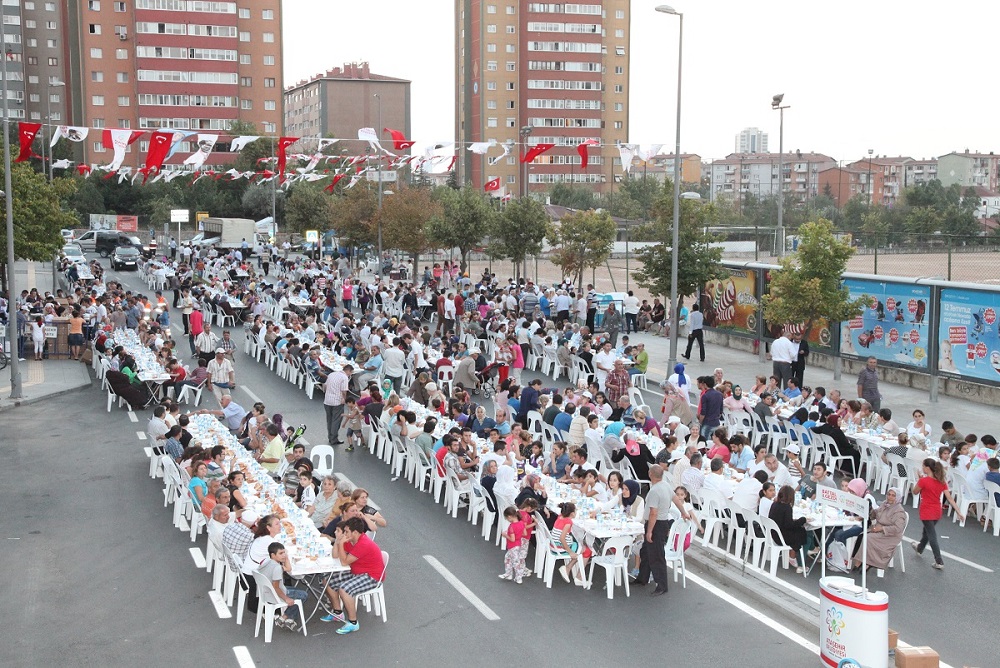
<point>44,380</point>
<point>741,367</point>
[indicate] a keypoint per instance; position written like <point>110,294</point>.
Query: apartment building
<point>661,168</point>
<point>888,189</point>
<point>917,172</point>
<point>970,169</point>
<point>744,174</point>
<point>751,140</point>
<point>343,99</point>
<point>185,65</point>
<point>537,72</point>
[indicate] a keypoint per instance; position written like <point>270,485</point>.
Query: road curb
<point>10,404</point>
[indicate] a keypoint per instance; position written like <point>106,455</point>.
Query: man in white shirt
<point>157,429</point>
<point>449,313</point>
<point>630,307</point>
<point>747,492</point>
<point>716,481</point>
<point>394,363</point>
<point>692,478</point>
<point>777,472</point>
<point>783,353</point>
<point>604,362</point>
<point>581,310</point>
<point>221,375</point>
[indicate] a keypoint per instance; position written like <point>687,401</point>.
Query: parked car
<point>74,253</point>
<point>125,257</point>
<point>67,235</point>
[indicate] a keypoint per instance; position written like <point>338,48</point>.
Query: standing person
<point>513,561</point>
<point>801,354</point>
<point>612,323</point>
<point>782,359</point>
<point>334,400</point>
<point>591,306</point>
<point>930,487</point>
<point>187,306</point>
<point>196,325</point>
<point>695,332</point>
<point>868,384</point>
<point>658,522</point>
<point>38,337</point>
<point>630,305</point>
<point>709,407</point>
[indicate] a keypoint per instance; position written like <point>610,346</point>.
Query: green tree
<point>308,208</point>
<point>452,181</point>
<point>807,288</point>
<point>259,198</point>
<point>580,240</point>
<point>922,220</point>
<point>467,217</point>
<point>37,216</point>
<point>85,200</point>
<point>572,197</point>
<point>404,217</point>
<point>637,195</point>
<point>519,232</point>
<point>698,261</point>
<point>352,215</point>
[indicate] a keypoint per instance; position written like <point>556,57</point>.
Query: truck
<point>232,232</point>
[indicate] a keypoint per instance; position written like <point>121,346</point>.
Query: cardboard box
<point>893,639</point>
<point>916,657</point>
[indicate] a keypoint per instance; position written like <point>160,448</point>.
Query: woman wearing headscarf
<point>506,489</point>
<point>534,489</point>
<point>886,533</point>
<point>676,400</point>
<point>858,487</point>
<point>736,401</point>
<point>638,456</point>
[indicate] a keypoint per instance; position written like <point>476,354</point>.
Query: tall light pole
<point>674,306</point>
<point>15,369</point>
<point>525,132</point>
<point>776,104</point>
<point>48,118</point>
<point>871,191</point>
<point>378,97</point>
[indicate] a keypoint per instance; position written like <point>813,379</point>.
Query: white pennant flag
<point>171,175</point>
<point>481,147</point>
<point>627,153</point>
<point>240,142</point>
<point>506,152</point>
<point>70,132</point>
<point>205,145</point>
<point>369,135</point>
<point>354,180</point>
<point>62,164</point>
<point>324,142</point>
<point>119,140</point>
<point>645,154</point>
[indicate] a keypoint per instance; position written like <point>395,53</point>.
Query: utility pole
<point>15,369</point>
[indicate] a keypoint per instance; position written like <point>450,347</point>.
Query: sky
<point>857,74</point>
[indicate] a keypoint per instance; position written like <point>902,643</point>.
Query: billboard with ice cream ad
<point>893,327</point>
<point>969,344</point>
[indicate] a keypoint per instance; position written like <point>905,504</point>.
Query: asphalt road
<point>78,497</point>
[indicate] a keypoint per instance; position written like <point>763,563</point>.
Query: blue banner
<point>970,346</point>
<point>894,325</point>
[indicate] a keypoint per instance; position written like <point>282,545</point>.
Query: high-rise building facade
<point>535,72</point>
<point>184,65</point>
<point>345,99</point>
<point>751,140</point>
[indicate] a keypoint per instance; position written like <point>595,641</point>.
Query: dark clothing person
<point>792,531</point>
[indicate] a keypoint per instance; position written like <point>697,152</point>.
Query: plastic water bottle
<point>798,497</point>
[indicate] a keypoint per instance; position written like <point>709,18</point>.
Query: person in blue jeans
<point>274,569</point>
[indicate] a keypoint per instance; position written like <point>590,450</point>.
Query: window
<point>51,43</point>
<point>246,104</point>
<point>97,122</point>
<point>491,9</point>
<point>619,88</point>
<point>32,42</point>
<point>95,28</point>
<point>53,62</point>
<point>511,48</point>
<point>491,28</point>
<point>269,105</point>
<point>121,54</point>
<point>491,85</point>
<point>50,6</point>
<point>54,80</point>
<point>244,36</point>
<point>510,85</point>
<point>246,81</point>
<point>267,14</point>
<point>51,25</point>
<point>56,116</point>
<point>244,13</point>
<point>619,106</point>
<point>120,7</point>
<point>491,122</point>
<point>36,115</point>
<point>124,100</point>
<point>491,104</point>
<point>124,124</point>
<point>510,104</point>
<point>510,9</point>
<point>30,23</point>
<point>11,20</point>
<point>491,66</point>
<point>510,66</point>
<point>32,79</point>
<point>32,60</point>
<point>619,32</point>
<point>619,69</point>
<point>34,97</point>
<point>96,53</point>
<point>269,82</point>
<point>270,127</point>
<point>491,48</point>
<point>511,122</point>
<point>29,5</point>
<point>269,38</point>
<point>618,125</point>
<point>619,50</point>
<point>244,59</point>
<point>510,178</point>
<point>99,147</point>
<point>510,30</point>
<point>620,14</point>
<point>94,5</point>
<point>97,100</point>
<point>122,77</point>
<point>269,60</point>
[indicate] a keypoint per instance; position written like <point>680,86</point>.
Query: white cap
<point>673,419</point>
<point>675,455</point>
<point>250,516</point>
<point>793,448</point>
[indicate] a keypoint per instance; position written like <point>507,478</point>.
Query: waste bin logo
<point>835,620</point>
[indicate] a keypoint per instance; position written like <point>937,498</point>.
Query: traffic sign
<point>312,236</point>
<point>179,215</point>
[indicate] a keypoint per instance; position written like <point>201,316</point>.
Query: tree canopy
<point>580,240</point>
<point>466,218</point>
<point>519,232</point>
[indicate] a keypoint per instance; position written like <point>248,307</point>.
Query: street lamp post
<point>378,97</point>
<point>776,104</point>
<point>675,308</point>
<point>48,118</point>
<point>525,132</point>
<point>15,369</point>
<point>871,191</point>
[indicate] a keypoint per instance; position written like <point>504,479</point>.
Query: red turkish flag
<point>336,179</point>
<point>27,133</point>
<point>83,170</point>
<point>159,146</point>
<point>582,150</point>
<point>399,140</point>
<point>536,151</point>
<point>492,184</point>
<point>284,143</point>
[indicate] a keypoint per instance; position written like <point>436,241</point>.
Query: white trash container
<point>854,624</point>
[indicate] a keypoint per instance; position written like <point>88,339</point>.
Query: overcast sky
<point>884,75</point>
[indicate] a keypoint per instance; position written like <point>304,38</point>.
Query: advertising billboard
<point>969,346</point>
<point>894,325</point>
<point>731,302</point>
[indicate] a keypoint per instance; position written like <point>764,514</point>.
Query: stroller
<point>488,383</point>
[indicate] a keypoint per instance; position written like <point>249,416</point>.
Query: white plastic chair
<point>674,549</point>
<point>454,490</point>
<point>774,546</point>
<point>993,509</point>
<point>375,597</point>
<point>964,498</point>
<point>635,397</point>
<point>322,458</point>
<point>898,552</point>
<point>554,554</point>
<point>269,605</point>
<point>445,377</point>
<point>614,560</point>
<point>187,390</point>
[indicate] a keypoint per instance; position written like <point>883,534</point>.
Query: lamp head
<point>667,9</point>
<point>776,100</point>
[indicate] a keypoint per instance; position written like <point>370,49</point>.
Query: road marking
<point>243,657</point>
<point>221,609</point>
<point>250,394</point>
<point>141,435</point>
<point>132,416</point>
<point>198,557</point>
<point>463,590</point>
<point>148,450</point>
<point>743,607</point>
<point>951,556</point>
